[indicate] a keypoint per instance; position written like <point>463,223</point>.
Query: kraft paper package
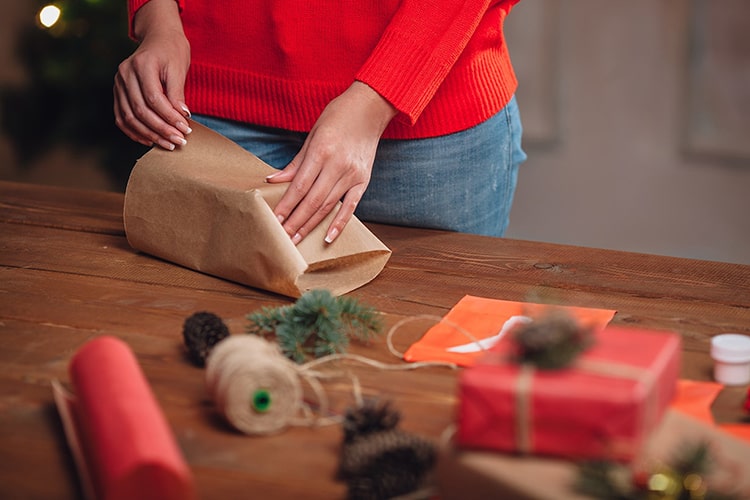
<point>481,474</point>
<point>206,206</point>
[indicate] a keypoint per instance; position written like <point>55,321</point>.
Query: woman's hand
<point>149,86</point>
<point>334,163</point>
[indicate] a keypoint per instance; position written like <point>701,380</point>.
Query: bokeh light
<point>49,15</point>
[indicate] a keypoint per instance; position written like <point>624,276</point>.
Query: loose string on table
<point>458,328</point>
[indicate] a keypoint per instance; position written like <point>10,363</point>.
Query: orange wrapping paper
<point>605,413</point>
<point>126,446</point>
<point>483,318</point>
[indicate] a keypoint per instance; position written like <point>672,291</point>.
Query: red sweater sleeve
<point>134,5</point>
<point>420,45</point>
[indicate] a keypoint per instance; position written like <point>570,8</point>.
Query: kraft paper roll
<point>127,448</point>
<point>253,385</point>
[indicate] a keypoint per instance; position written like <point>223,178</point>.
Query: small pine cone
<point>386,464</point>
<point>552,341</point>
<point>201,332</point>
<point>373,416</point>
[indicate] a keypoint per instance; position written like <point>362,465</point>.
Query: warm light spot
<point>49,15</point>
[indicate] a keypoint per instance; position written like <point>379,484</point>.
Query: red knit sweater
<point>443,64</point>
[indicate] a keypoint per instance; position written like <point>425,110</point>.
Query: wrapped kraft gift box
<point>206,206</point>
<point>469,475</point>
<point>603,406</point>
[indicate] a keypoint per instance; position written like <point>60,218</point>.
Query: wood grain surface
<point>67,275</point>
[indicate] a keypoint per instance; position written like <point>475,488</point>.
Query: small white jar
<point>731,355</point>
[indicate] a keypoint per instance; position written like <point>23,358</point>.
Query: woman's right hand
<point>149,89</point>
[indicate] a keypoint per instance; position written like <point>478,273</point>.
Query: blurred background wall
<point>636,117</point>
<point>637,125</point>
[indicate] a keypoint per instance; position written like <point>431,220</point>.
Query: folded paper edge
<point>372,261</point>
<point>65,403</point>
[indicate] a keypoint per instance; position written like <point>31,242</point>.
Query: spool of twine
<point>253,385</point>
<point>258,390</point>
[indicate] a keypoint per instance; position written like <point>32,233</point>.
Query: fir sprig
<point>318,324</point>
<point>683,480</point>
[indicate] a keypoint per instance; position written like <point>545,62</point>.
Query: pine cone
<point>552,341</point>
<point>372,417</point>
<point>201,332</point>
<point>379,461</point>
<point>386,464</point>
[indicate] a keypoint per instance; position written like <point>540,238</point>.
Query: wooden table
<point>68,275</point>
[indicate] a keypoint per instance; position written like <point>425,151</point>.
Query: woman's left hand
<point>334,163</point>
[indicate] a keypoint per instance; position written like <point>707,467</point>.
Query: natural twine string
<point>399,324</point>
<point>253,385</point>
<point>243,366</point>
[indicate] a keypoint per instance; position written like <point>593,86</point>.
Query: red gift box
<point>603,406</point>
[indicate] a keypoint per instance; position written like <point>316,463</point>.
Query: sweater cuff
<point>417,51</point>
<point>134,5</point>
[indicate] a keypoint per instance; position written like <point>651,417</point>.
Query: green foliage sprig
<point>684,479</point>
<point>316,325</point>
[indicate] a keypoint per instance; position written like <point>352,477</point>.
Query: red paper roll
<point>128,447</point>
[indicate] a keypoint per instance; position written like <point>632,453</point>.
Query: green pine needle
<point>614,481</point>
<point>360,321</point>
<point>599,479</point>
<point>317,325</point>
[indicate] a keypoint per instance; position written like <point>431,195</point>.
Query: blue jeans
<point>459,182</point>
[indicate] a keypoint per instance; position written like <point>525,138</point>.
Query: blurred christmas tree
<point>71,51</point>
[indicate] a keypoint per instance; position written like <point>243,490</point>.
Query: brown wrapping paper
<point>206,206</point>
<point>467,475</point>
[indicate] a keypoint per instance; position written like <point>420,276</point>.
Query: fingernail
<point>167,145</point>
<point>178,140</point>
<point>296,238</point>
<point>184,127</point>
<point>331,235</point>
<point>271,176</point>
<point>186,110</point>
<point>280,218</point>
